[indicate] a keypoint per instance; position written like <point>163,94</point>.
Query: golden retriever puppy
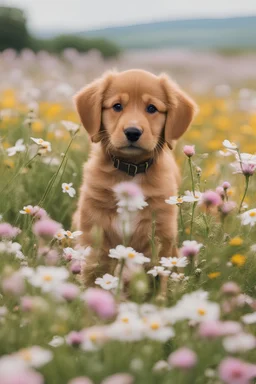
<point>133,117</point>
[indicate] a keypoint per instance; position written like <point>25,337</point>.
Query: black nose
<point>132,134</point>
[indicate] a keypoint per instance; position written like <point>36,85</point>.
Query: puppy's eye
<point>117,107</point>
<point>151,109</point>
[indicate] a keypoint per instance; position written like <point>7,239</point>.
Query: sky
<point>79,15</point>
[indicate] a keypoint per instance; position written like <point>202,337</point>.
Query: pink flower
<point>213,329</point>
<point>190,248</point>
<point>101,302</point>
<point>231,287</point>
<point>75,338</point>
<point>226,185</point>
<point>7,231</point>
<point>235,371</point>
<point>183,358</point>
<point>39,213</point>
<point>227,207</point>
<point>68,291</point>
<point>26,303</point>
<point>75,267</point>
<point>26,376</point>
<point>119,378</point>
<point>189,150</point>
<point>46,228</point>
<point>14,284</point>
<point>210,199</point>
<point>220,191</point>
<point>81,380</point>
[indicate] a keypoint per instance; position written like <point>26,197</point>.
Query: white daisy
<point>128,254</point>
<point>70,126</point>
<point>34,356</point>
<point>156,329</point>
<point>60,234</point>
<point>48,278</point>
<point>56,341</point>
<point>240,342</point>
<point>12,248</point>
<point>227,144</point>
<point>107,281</point>
<point>73,235</point>
<point>44,146</point>
<point>27,210</point>
<point>132,330</point>
<point>191,197</point>
<point>249,318</point>
<point>171,262</point>
<point>130,197</point>
<point>158,270</point>
<point>175,200</point>
<point>67,188</point>
<point>178,277</point>
<point>249,217</point>
<point>18,147</point>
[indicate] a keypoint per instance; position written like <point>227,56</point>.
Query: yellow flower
<point>37,126</point>
<point>213,275</point>
<point>238,260</point>
<point>236,241</point>
<point>9,163</point>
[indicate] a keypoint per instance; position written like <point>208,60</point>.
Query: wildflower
<point>161,366</point>
<point>67,188</point>
<point>213,275</point>
<point>213,328</point>
<point>183,358</point>
<point>236,241</point>
<point>18,147</point>
<point>171,262</point>
<point>68,291</point>
<point>227,207</point>
<point>74,338</point>
<point>156,329</point>
<point>220,191</point>
<point>250,318</point>
<point>46,228</point>
<point>178,277</point>
<point>93,338</point>
<point>70,126</point>
<point>56,341</point>
<point>7,231</point>
<point>80,380</point>
<point>101,302</point>
<point>157,270</point>
<point>119,378</point>
<point>238,260</point>
<point>175,200</point>
<point>48,278</point>
<point>130,197</point>
<point>22,374</point>
<point>240,342</point>
<point>231,288</point>
<point>189,150</point>
<point>210,199</point>
<point>13,284</point>
<point>128,254</point>
<point>44,146</point>
<point>235,371</point>
<point>107,281</point>
<point>190,248</point>
<point>227,144</point>
<point>249,217</point>
<point>12,248</point>
<point>36,211</point>
<point>226,185</point>
<point>191,197</point>
<point>34,356</point>
<point>62,234</point>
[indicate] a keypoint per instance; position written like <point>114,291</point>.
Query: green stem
<point>54,177</point>
<point>153,244</point>
<point>192,220</point>
<point>120,278</point>
<point>247,178</point>
<point>181,218</point>
<point>192,177</point>
<point>206,224</point>
<point>17,173</point>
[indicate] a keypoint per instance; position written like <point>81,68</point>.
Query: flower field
<point>187,320</point>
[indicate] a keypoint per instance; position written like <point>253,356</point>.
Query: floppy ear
<point>181,110</point>
<point>88,103</point>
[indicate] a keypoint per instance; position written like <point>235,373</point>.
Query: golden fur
<point>134,89</point>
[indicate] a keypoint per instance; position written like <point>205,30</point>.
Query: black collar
<point>130,168</point>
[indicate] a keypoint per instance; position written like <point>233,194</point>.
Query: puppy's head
<point>134,112</point>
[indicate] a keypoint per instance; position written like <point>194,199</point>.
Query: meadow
<point>189,320</point>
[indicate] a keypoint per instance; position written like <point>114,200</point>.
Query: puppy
<point>133,117</point>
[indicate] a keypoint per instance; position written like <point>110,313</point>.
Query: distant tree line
<point>14,34</point>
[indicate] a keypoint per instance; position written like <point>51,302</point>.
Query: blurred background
<point>200,43</point>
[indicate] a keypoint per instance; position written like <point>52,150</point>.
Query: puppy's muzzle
<point>133,134</point>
